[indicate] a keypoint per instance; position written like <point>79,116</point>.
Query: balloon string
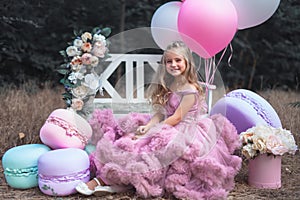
<point>216,66</point>
<point>231,54</point>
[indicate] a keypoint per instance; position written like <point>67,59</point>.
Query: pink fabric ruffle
<point>194,160</point>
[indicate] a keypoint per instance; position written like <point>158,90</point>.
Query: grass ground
<point>23,111</point>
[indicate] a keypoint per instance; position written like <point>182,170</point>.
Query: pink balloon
<point>254,12</point>
<point>207,26</point>
<point>164,24</point>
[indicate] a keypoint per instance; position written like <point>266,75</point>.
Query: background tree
<point>34,31</point>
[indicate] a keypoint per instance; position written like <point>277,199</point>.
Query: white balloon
<point>254,12</point>
<point>164,24</point>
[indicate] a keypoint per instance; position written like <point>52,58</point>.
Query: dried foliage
<point>24,110</point>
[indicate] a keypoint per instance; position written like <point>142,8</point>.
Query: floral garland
<point>262,139</point>
<point>81,60</point>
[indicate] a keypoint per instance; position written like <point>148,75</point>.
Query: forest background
<point>33,32</point>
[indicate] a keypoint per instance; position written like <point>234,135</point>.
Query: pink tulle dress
<point>193,160</point>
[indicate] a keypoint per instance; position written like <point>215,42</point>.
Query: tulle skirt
<point>194,159</point>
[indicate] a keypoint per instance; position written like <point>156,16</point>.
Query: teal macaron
<point>20,165</point>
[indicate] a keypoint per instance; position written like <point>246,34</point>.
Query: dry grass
<point>25,110</point>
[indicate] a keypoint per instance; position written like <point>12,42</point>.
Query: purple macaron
<point>245,109</point>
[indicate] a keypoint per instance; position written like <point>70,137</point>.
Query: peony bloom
<point>275,145</point>
<point>86,58</point>
<point>77,43</point>
<point>77,104</point>
<point>259,144</point>
<point>72,51</point>
<point>86,47</point>
<point>86,36</point>
<point>91,81</point>
<point>99,49</point>
<point>94,61</point>
<point>266,139</point>
<point>248,152</point>
<point>245,137</point>
<point>80,91</point>
<point>76,63</point>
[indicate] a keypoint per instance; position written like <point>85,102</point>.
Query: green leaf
<point>67,95</point>
<point>106,31</point>
<point>63,71</point>
<point>63,53</point>
<point>64,66</point>
<point>45,187</point>
<point>62,81</point>
<point>95,30</point>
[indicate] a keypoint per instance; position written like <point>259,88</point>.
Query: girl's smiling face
<point>175,64</point>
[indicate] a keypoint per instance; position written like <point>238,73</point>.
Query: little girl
<point>179,150</point>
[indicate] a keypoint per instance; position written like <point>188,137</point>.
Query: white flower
<point>94,61</point>
<point>248,151</point>
<point>83,57</point>
<point>83,70</point>
<point>72,77</point>
<point>80,91</point>
<point>79,75</point>
<point>91,81</point>
<point>259,144</point>
<point>77,43</point>
<point>72,51</point>
<point>86,36</point>
<point>266,139</point>
<point>99,38</point>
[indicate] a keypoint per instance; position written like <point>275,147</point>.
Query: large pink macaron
<point>65,129</point>
<point>245,109</point>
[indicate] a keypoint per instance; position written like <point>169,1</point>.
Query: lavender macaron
<point>61,170</point>
<point>245,109</point>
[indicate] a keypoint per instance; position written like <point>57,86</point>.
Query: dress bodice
<point>199,107</point>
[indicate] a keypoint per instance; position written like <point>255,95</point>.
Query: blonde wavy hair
<point>159,89</point>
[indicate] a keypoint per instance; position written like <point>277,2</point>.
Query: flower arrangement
<point>81,60</point>
<point>267,140</point>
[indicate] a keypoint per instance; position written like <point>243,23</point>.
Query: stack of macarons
<point>57,165</point>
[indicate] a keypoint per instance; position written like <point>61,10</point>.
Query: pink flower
<point>77,104</point>
<point>86,59</point>
<point>86,47</point>
<point>99,49</point>
<point>275,145</point>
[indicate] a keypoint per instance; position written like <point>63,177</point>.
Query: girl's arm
<point>157,117</point>
<point>185,105</point>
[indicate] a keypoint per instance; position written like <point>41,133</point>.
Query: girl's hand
<point>141,130</point>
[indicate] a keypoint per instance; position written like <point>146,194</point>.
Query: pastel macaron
<point>65,129</point>
<point>20,165</point>
<point>245,109</point>
<point>61,170</point>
